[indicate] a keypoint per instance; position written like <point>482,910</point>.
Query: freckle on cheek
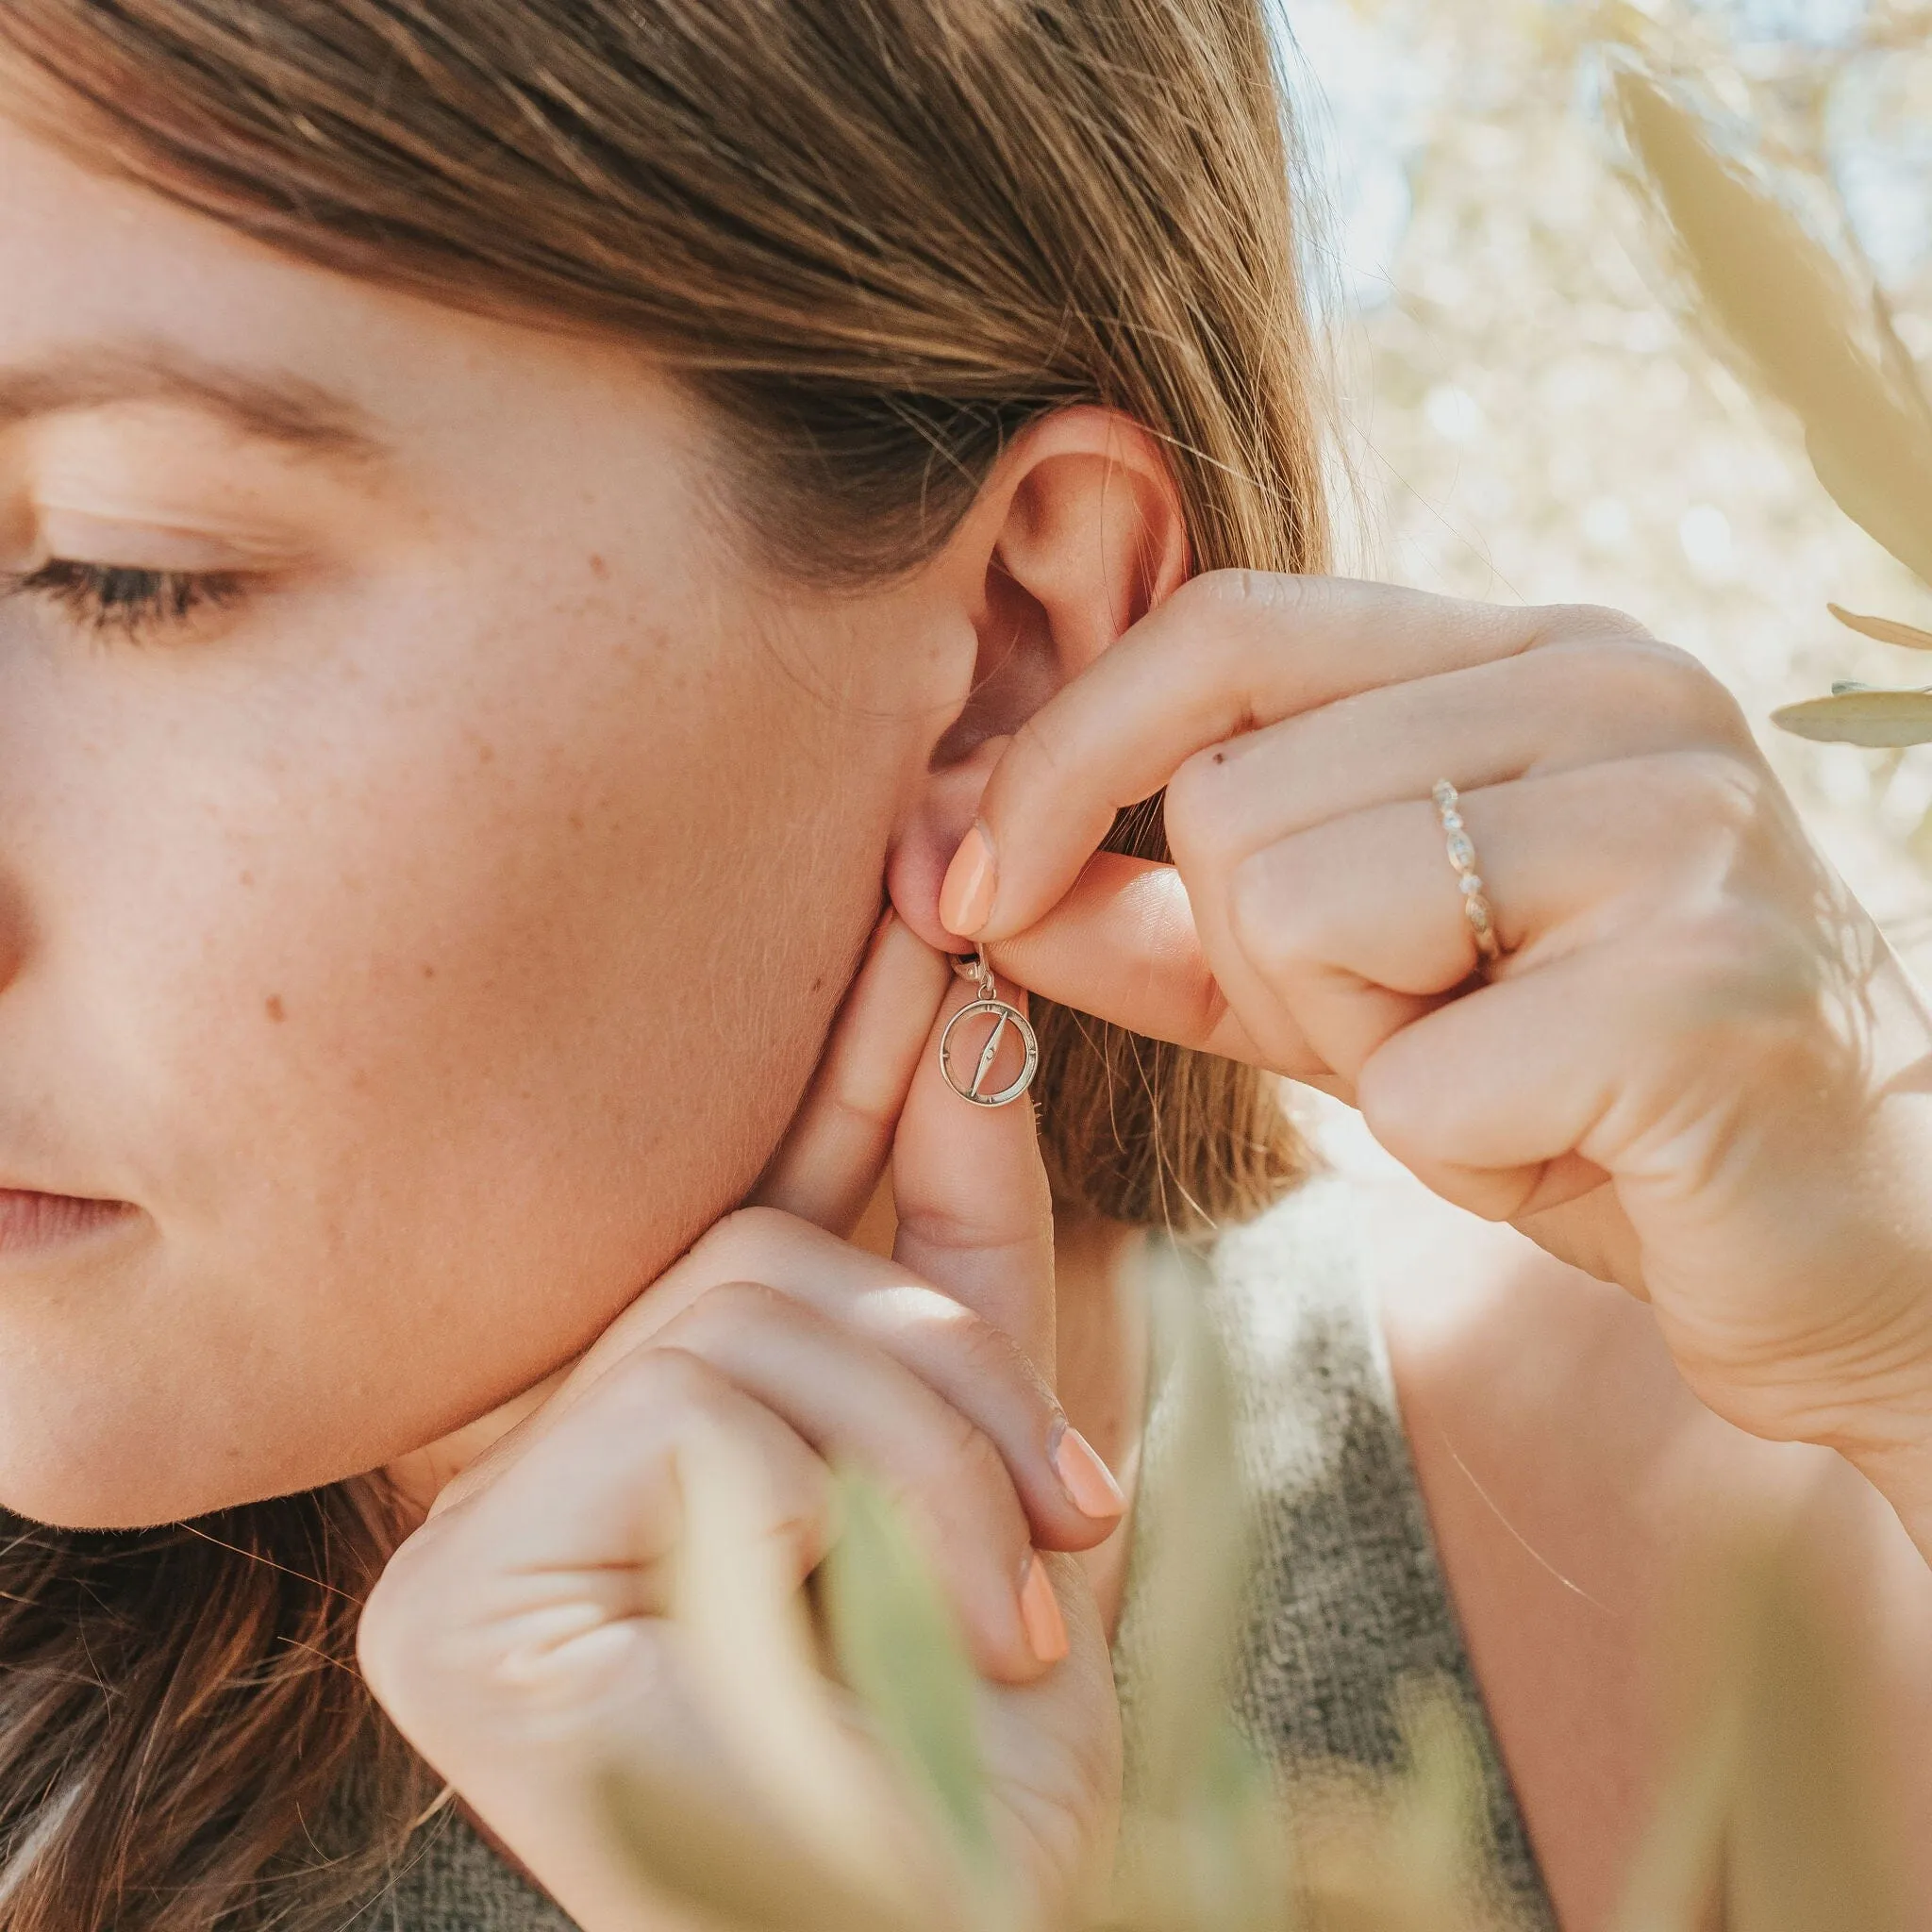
<point>273,1007</point>
<point>599,569</point>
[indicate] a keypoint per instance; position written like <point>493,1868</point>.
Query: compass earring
<point>964,1028</point>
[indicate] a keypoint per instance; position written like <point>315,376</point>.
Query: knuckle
<point>1635,671</point>
<point>1403,1113</point>
<point>1589,621</point>
<point>1033,744</point>
<point>1234,590</point>
<point>1710,790</point>
<point>666,1377</point>
<point>650,1391</point>
<point>734,1245</point>
<point>955,1465</point>
<point>726,1307</point>
<point>399,1633</point>
<point>384,1628</point>
<point>985,1355</point>
<point>1274,915</point>
<point>1701,699</point>
<point>1389,1113</point>
<point>1216,591</point>
<point>1199,829</point>
<point>856,1097</point>
<point>987,1351</point>
<point>384,1649</point>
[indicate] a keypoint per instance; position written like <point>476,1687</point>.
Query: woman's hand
<point>527,1632</point>
<point>1696,1070</point>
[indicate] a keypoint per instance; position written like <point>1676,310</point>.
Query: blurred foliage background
<point>1528,410</point>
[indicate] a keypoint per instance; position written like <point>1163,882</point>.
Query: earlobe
<point>928,837</point>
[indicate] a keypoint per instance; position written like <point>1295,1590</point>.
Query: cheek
<point>467,996</point>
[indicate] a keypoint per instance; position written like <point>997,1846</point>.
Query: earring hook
<point>973,966</point>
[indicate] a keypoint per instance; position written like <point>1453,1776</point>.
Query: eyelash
<point>115,597</point>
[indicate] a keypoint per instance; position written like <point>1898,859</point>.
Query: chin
<point>70,1501</point>
<point>104,1485</point>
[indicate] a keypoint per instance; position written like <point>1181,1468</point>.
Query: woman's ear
<point>1077,535</point>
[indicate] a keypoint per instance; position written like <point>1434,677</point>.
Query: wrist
<point>1871,1379</point>
<point>1901,1471</point>
<point>1866,1390</point>
<point>1884,1430</point>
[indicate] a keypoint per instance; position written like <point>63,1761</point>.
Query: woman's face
<point>427,939</point>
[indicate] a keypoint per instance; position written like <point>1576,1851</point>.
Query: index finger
<point>1228,653</point>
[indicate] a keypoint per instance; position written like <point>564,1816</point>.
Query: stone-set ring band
<point>1461,849</point>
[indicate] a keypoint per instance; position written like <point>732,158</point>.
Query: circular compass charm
<point>1007,1019</point>
<point>1004,1019</point>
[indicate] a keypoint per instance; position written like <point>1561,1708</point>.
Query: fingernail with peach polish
<point>1040,1610</point>
<point>1087,1481</point>
<point>966,898</point>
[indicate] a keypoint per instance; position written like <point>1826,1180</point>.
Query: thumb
<point>970,1190</point>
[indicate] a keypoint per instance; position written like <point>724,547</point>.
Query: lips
<point>30,1220</point>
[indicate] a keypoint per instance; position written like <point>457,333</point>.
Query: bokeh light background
<point>1525,413</point>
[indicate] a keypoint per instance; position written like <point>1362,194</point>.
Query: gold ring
<point>1461,848</point>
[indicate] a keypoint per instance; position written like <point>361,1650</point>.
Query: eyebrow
<point>281,409</point>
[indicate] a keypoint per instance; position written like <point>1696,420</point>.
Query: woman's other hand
<point>1696,1068</point>
<point>528,1629</point>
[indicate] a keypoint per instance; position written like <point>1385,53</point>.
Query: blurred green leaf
<point>1199,1529</point>
<point>898,1645</point>
<point>755,1673</point>
<point>727,1861</point>
<point>1222,1865</point>
<point>1818,344</point>
<point>1807,1851</point>
<point>1204,1848</point>
<point>1441,1827</point>
<point>1408,1853</point>
<point>1773,1812</point>
<point>1873,718</point>
<point>1680,1861</point>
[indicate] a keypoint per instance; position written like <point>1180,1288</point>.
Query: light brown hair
<point>876,237</point>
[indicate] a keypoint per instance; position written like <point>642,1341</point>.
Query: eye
<point>114,597</point>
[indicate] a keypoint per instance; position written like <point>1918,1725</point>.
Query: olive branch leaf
<point>1803,333</point>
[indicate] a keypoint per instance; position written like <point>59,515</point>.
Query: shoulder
<point>1575,1488</point>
